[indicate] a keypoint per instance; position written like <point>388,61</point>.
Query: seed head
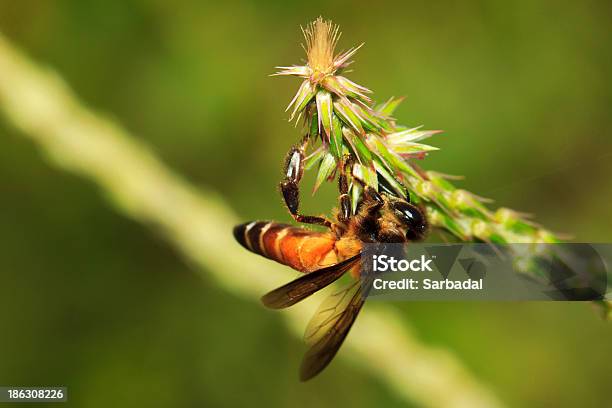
<point>321,38</point>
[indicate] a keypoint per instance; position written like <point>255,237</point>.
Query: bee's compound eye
<point>413,218</point>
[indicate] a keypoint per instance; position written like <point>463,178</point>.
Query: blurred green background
<point>99,303</point>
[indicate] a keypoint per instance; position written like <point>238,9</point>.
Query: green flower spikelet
<point>342,121</point>
<point>340,114</point>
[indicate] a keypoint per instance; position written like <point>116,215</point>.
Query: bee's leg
<point>372,199</point>
<point>368,214</point>
<point>344,201</point>
<point>294,168</point>
<point>368,209</point>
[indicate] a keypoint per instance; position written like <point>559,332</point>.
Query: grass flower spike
<point>340,114</point>
<point>345,127</point>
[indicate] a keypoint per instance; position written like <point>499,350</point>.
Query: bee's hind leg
<point>294,169</point>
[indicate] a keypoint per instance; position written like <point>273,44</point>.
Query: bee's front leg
<point>373,200</point>
<point>294,169</point>
<point>370,203</point>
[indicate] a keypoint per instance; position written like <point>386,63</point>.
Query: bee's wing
<point>329,327</point>
<point>328,313</point>
<point>306,285</point>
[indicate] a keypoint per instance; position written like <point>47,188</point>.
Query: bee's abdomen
<point>298,248</point>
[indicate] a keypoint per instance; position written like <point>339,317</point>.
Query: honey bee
<point>325,256</point>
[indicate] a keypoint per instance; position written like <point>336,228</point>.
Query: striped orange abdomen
<point>299,248</point>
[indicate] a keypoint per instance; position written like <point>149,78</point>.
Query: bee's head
<point>411,217</point>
